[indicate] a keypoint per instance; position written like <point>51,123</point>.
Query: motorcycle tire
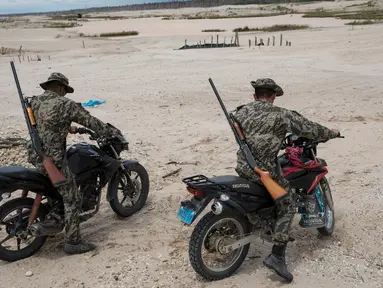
<point>35,245</point>
<point>197,243</point>
<point>116,206</point>
<point>329,214</point>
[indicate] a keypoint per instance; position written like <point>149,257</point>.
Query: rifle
<point>275,190</point>
<point>54,174</point>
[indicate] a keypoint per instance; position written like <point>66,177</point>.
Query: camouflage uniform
<point>54,115</point>
<point>265,126</point>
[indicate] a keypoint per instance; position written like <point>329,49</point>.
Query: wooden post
<point>236,38</point>
<point>255,41</point>
<point>217,40</point>
<point>185,43</point>
<point>19,58</point>
<point>204,43</point>
<point>2,51</point>
<point>287,43</point>
<point>28,59</point>
<point>273,40</point>
<point>249,42</point>
<point>224,42</point>
<point>20,50</point>
<point>231,42</point>
<point>211,41</point>
<point>268,41</point>
<point>83,44</point>
<point>49,57</point>
<point>281,40</point>
<point>290,43</point>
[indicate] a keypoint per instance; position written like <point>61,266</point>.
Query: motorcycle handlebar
<point>82,130</point>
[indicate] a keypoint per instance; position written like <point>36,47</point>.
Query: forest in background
<point>169,5</point>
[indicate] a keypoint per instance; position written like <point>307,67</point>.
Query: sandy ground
<point>161,99</point>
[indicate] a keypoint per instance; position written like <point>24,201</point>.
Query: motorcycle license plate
<point>186,215</point>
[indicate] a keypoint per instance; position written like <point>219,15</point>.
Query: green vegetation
<point>60,25</point>
<point>118,34</point>
<point>368,4</point>
<point>364,22</point>
<point>216,16</point>
<point>375,14</point>
<point>273,28</point>
<point>65,17</point>
<point>248,2</point>
<point>213,30</point>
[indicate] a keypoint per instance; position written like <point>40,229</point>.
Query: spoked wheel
<point>206,247</point>
<point>328,229</point>
<point>130,190</point>
<point>15,241</point>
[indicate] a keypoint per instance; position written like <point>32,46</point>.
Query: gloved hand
<point>81,130</point>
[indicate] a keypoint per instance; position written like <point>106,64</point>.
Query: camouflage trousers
<point>72,203</point>
<point>285,208</point>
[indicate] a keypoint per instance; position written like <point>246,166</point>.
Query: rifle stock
<point>275,190</point>
<point>54,174</point>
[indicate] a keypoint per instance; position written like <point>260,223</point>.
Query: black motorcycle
<point>30,221</point>
<point>221,239</point>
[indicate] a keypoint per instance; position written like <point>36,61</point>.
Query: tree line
<point>169,5</point>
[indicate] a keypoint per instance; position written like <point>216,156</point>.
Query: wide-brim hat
<point>60,78</point>
<point>268,84</point>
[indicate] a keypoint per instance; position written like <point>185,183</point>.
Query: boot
<point>276,261</point>
<point>78,248</point>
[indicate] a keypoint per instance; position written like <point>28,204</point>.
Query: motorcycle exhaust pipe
<point>45,228</point>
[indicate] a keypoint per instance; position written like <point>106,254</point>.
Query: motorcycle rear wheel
<point>19,230</point>
<point>205,236</point>
<point>328,229</point>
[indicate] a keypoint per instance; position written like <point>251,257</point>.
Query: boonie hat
<point>268,84</point>
<point>60,78</point>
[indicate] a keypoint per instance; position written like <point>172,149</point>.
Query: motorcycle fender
<point>322,162</point>
<point>113,184</point>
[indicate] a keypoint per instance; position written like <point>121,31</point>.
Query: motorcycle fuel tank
<point>83,157</point>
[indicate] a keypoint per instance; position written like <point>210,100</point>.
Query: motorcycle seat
<point>240,185</point>
<point>26,174</point>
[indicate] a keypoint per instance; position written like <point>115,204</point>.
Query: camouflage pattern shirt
<point>54,115</point>
<point>265,127</point>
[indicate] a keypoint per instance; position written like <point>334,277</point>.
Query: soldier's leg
<point>285,214</point>
<point>72,205</point>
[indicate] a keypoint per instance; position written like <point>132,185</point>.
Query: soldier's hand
<point>73,129</point>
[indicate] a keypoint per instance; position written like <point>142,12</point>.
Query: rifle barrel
<point>219,99</point>
<point>20,94</point>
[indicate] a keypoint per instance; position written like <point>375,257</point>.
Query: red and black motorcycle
<point>241,208</point>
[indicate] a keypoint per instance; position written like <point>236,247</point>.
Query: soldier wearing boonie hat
<point>54,114</point>
<point>58,79</point>
<point>265,126</point>
<point>267,83</point>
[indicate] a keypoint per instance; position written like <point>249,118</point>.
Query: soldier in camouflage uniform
<point>265,126</point>
<point>54,114</point>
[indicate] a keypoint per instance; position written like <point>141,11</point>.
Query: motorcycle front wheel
<point>211,233</point>
<point>129,190</point>
<point>329,227</point>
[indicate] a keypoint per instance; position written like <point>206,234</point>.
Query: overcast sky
<point>22,6</point>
